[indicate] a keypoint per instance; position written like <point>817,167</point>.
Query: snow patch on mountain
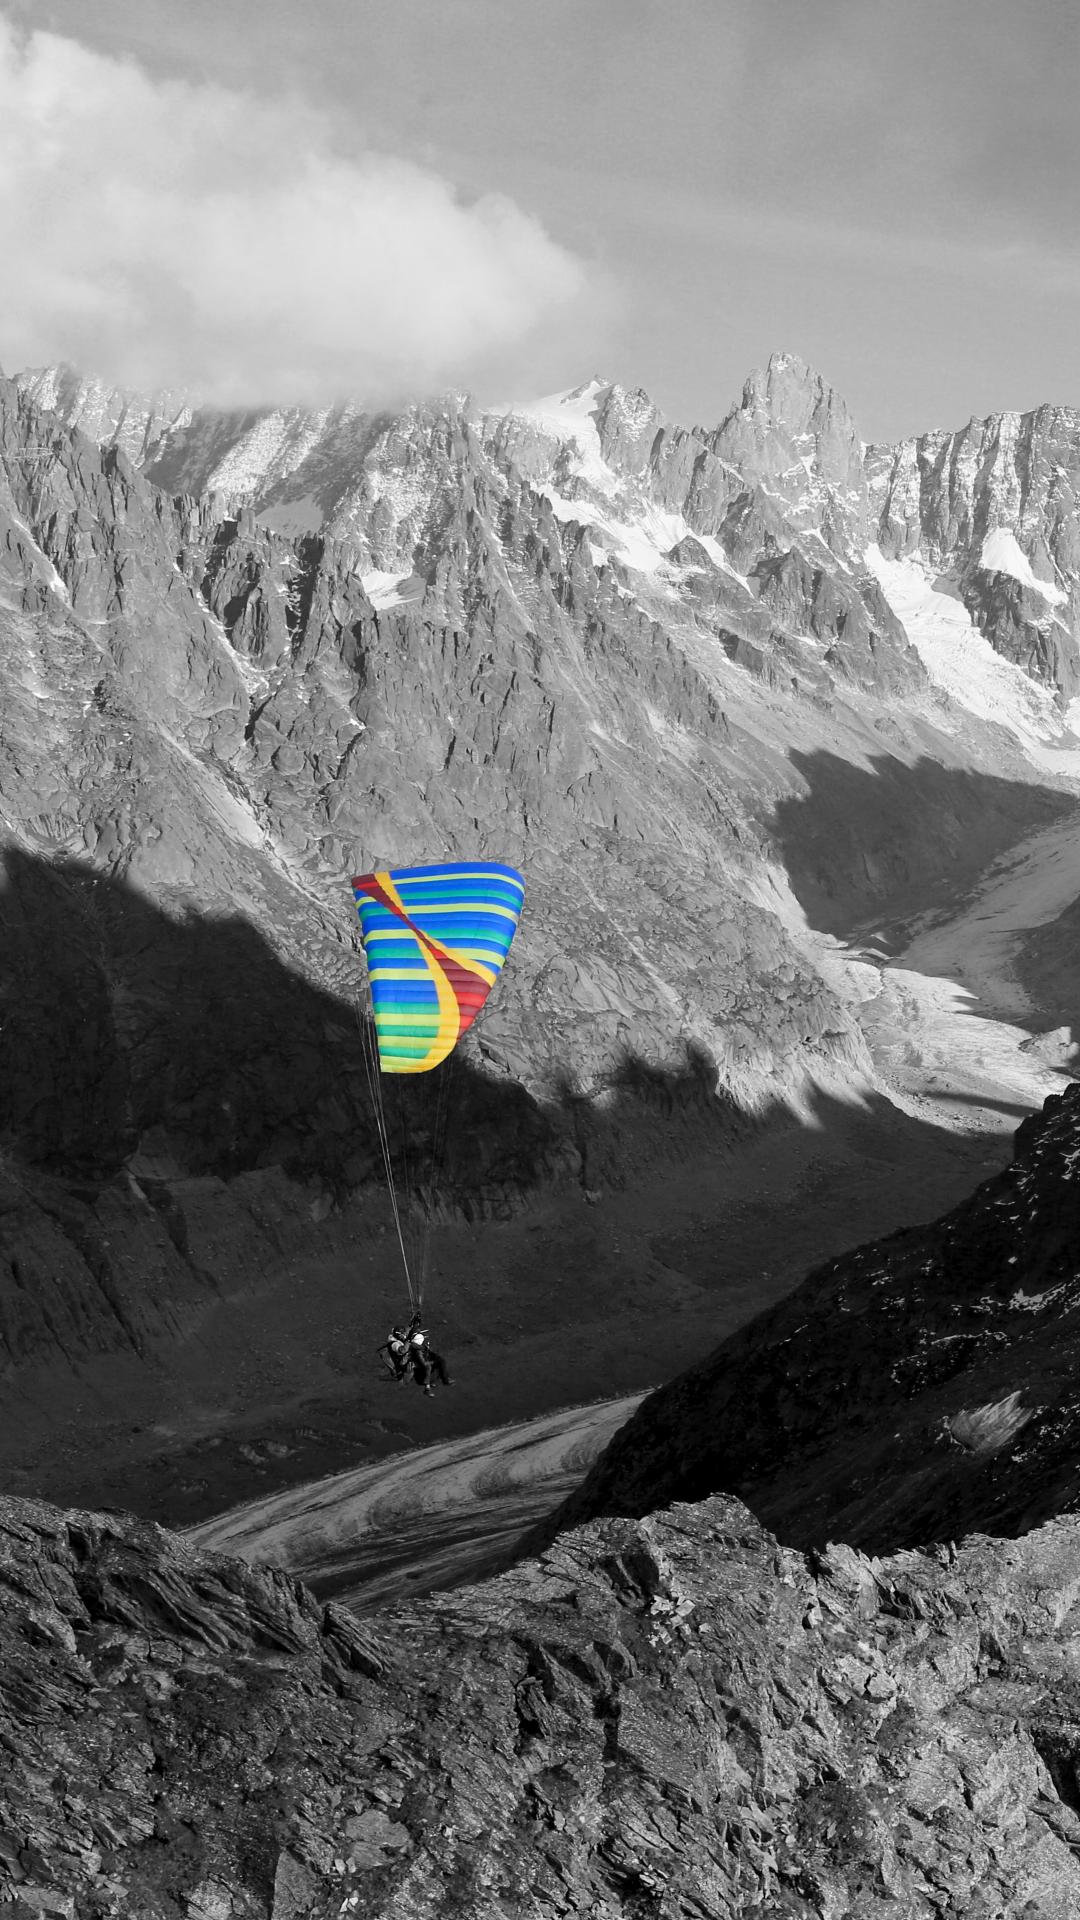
<point>45,387</point>
<point>246,463</point>
<point>623,523</point>
<point>570,418</point>
<point>274,446</point>
<point>966,667</point>
<point>391,589</point>
<point>1002,553</point>
<point>42,566</point>
<point>642,540</point>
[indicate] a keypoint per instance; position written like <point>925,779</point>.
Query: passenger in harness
<point>422,1357</point>
<point>396,1349</point>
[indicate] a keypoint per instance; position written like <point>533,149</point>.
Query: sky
<point>264,202</point>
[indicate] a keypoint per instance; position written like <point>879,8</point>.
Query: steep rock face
<point>910,1390</point>
<point>996,506</point>
<point>87,540</point>
<point>863,639</point>
<point>793,437</point>
<point>665,1715</point>
<point>1016,618</point>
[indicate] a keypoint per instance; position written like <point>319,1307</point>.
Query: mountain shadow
<point>182,1044</point>
<point>1047,966</point>
<point>179,1112</point>
<point>872,847</point>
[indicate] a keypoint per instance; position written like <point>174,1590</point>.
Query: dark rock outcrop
<point>1024,627</point>
<point>669,1716</point>
<point>912,1390</point>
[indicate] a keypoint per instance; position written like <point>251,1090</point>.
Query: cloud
<point>162,233</point>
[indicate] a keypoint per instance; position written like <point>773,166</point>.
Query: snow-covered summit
<point>567,415</point>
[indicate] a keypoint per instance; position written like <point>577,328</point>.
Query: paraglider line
<point>375,1089</point>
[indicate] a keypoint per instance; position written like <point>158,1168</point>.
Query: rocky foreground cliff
<point>670,1716</point>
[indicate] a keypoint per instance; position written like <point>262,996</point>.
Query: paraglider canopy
<point>435,939</point>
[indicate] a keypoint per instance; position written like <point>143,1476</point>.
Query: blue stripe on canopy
<point>469,911</point>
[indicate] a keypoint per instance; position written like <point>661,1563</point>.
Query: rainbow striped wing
<point>436,939</point>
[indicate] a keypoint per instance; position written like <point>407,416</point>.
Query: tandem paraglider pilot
<point>435,939</point>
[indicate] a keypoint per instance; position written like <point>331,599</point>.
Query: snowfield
<point>637,533</point>
<point>965,666</point>
<point>1002,553</point>
<point>391,589</point>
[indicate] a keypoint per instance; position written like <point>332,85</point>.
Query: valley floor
<point>566,1304</point>
<point>436,1516</point>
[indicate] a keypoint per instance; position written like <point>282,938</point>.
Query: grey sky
<point>888,189</point>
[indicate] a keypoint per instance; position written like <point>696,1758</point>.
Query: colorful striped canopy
<point>435,939</point>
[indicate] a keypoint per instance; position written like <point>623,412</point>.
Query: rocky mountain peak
<point>789,396</point>
<point>627,422</point>
<point>793,436</point>
<point>790,390</point>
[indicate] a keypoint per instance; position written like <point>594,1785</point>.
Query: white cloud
<point>158,233</point>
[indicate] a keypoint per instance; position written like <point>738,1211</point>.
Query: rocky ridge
<point>992,507</point>
<point>671,1716</point>
<point>914,1389</point>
